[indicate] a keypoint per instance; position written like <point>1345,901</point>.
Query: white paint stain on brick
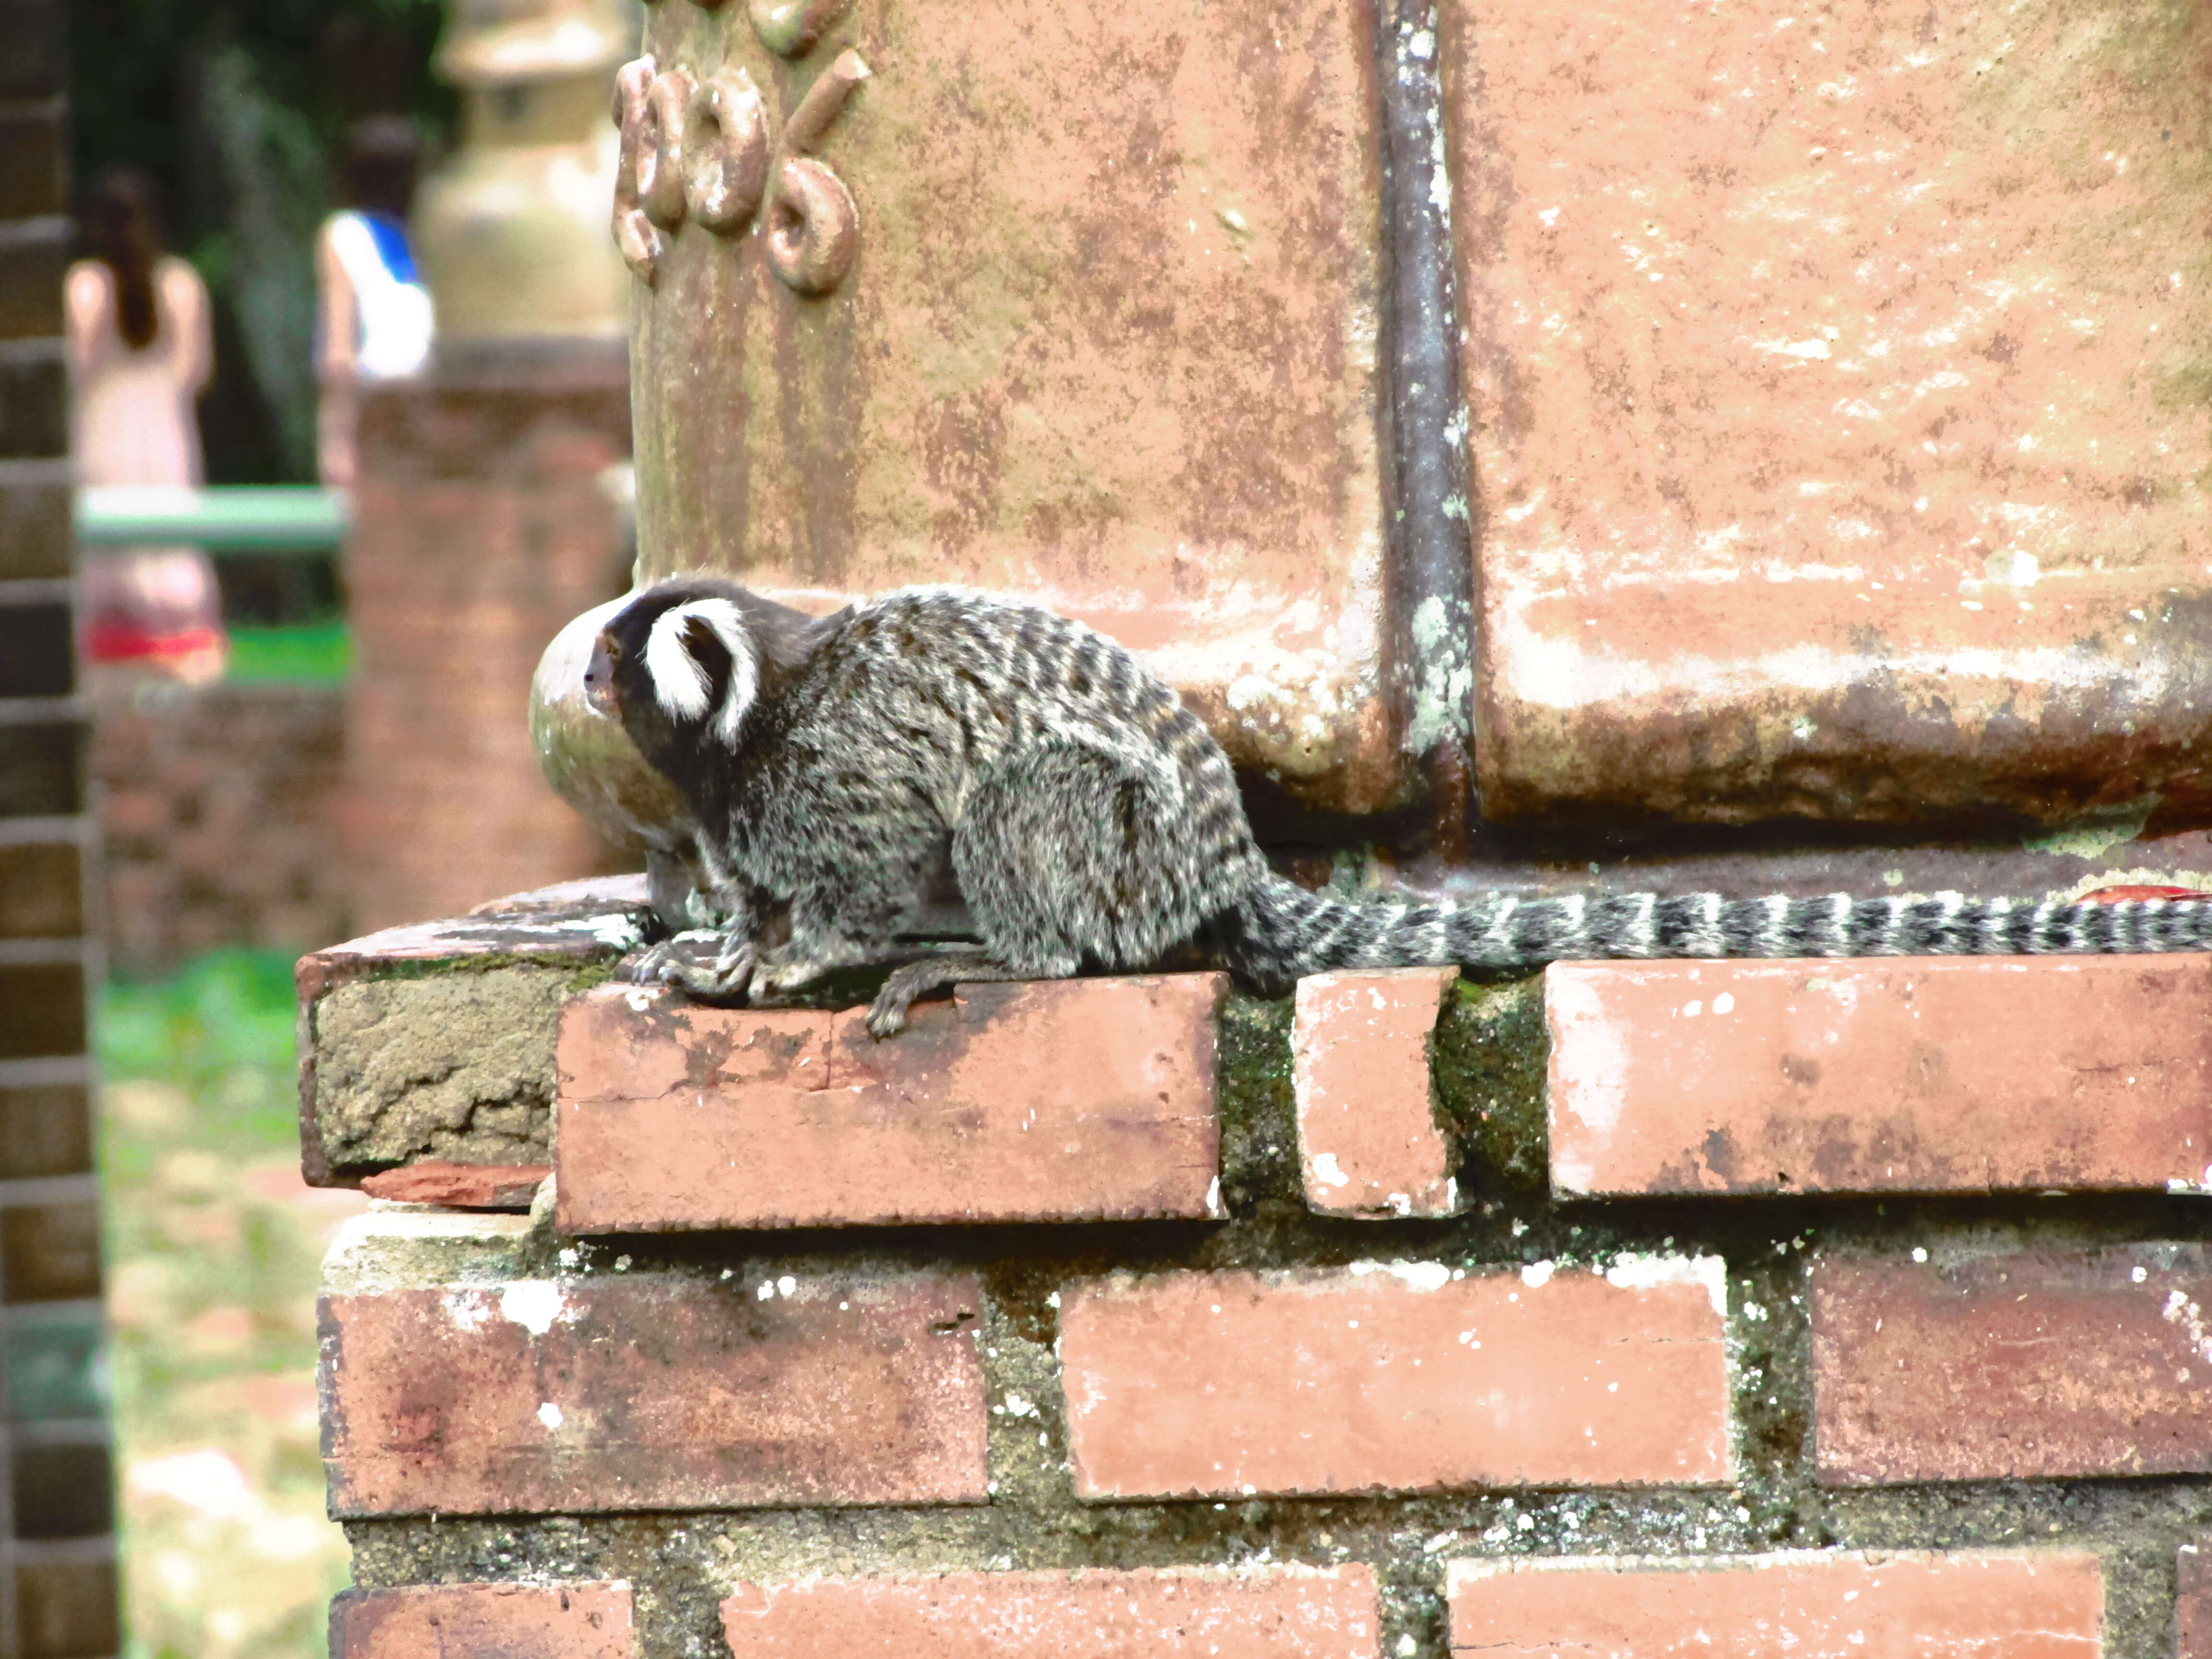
<point>550,1415</point>
<point>1639,1272</point>
<point>534,1304</point>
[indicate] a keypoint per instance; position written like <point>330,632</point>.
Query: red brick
<point>1403,1378</point>
<point>1811,1605</point>
<point>1066,1100</point>
<point>2027,1364</point>
<point>644,1392</point>
<point>1369,1144</point>
<point>1817,413</point>
<point>1294,1613</point>
<point>2192,1607</point>
<point>485,1621</point>
<point>1894,1075</point>
<point>460,1186</point>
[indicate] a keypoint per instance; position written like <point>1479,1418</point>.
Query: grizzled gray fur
<point>839,769</point>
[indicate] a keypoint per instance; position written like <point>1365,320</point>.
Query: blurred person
<point>141,352</point>
<point>374,320</point>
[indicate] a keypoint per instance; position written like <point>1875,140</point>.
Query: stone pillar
<point>1082,302</point>
<point>480,526</point>
<point>57,1589</point>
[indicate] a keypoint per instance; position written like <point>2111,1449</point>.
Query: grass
<point>317,654</point>
<point>214,1246</point>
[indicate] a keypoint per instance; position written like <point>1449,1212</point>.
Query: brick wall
<point>1836,1309</point>
<point>479,529</point>
<point>58,1590</point>
<point>218,812</point>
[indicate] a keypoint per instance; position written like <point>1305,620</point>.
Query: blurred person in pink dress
<point>141,350</point>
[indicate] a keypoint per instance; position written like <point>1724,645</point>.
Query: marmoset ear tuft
<point>700,658</point>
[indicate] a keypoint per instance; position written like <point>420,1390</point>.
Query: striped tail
<point>1282,931</point>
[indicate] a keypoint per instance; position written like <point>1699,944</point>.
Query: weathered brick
<point>34,520</point>
<point>31,158</point>
<point>33,262</point>
<point>1809,1604</point>
<point>1369,1143</point>
<point>45,1129</point>
<point>584,1621</point>
<point>2024,1364</point>
<point>1963,1075</point>
<point>1295,1612</point>
<point>1404,1377</point>
<point>63,1489</point>
<point>652,1392</point>
<point>1071,1100</point>
<point>42,1009</point>
<point>41,891</point>
<point>460,1186</point>
<point>33,394</point>
<point>41,768</point>
<point>2192,1603</point>
<point>50,1252</point>
<point>67,1609</point>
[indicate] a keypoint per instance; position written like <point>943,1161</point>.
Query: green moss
<point>1259,1126</point>
<point>1486,1066</point>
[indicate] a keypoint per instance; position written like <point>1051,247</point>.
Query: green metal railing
<point>264,518</point>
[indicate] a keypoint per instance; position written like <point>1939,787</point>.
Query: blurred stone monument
<point>480,526</point>
<point>512,229</point>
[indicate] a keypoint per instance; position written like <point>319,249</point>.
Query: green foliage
<point>212,1246</point>
<point>240,109</point>
<point>221,1030</point>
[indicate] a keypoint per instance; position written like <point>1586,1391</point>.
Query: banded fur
<point>1289,933</point>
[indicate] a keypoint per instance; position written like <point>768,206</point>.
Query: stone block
<point>1369,1142</point>
<point>1070,1100</point>
<point>652,1392</point>
<point>1281,1612</point>
<point>1823,375</point>
<point>457,1067</point>
<point>1400,1378</point>
<point>582,1620</point>
<point>1810,1604</point>
<point>446,1051</point>
<point>2021,1365</point>
<point>1972,1074</point>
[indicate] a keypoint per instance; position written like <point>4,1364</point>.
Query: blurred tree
<point>240,108</point>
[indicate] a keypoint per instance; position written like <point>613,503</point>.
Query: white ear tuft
<point>682,684</point>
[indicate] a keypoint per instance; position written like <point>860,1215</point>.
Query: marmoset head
<point>684,662</point>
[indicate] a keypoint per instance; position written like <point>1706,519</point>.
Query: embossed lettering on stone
<point>701,149</point>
